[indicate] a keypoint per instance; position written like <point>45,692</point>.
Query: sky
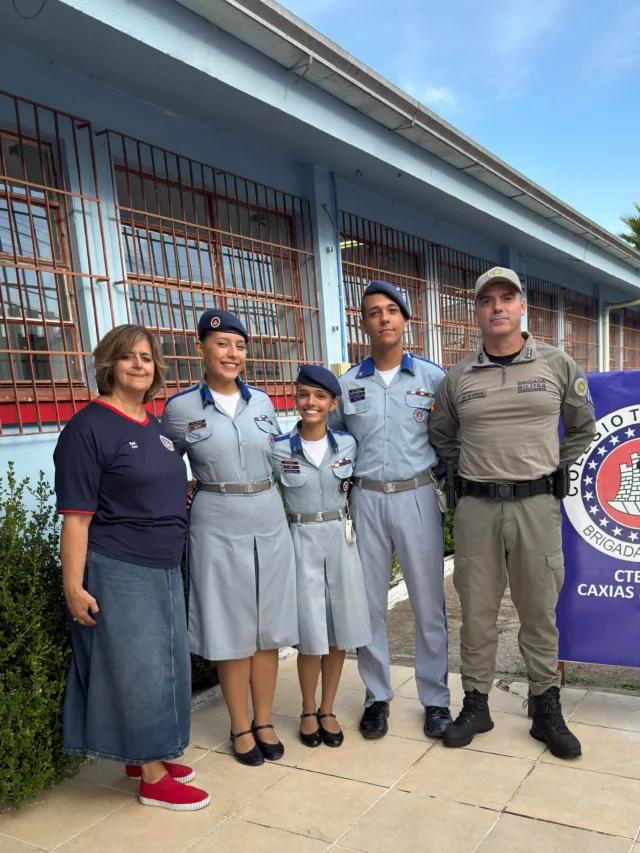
<point>550,86</point>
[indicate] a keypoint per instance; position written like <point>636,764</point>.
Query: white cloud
<point>431,96</point>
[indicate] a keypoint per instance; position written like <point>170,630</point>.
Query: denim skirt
<point>128,691</point>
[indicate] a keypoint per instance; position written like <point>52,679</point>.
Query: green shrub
<point>34,646</point>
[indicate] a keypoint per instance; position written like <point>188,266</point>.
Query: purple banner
<point>599,608</point>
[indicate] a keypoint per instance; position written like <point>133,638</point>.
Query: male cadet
<point>496,418</point>
<point>386,403</point>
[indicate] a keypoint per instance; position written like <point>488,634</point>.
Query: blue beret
<point>319,377</point>
<point>218,320</point>
<point>388,290</point>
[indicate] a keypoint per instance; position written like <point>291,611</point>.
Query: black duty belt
<point>507,491</point>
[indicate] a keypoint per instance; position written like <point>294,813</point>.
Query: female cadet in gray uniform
<point>313,465</point>
<point>242,594</point>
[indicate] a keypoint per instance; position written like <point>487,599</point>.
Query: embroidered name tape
<point>290,467</point>
<point>356,394</point>
<point>197,425</point>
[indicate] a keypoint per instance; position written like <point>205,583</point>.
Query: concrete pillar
<point>319,187</point>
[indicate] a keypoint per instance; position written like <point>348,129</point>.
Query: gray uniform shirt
<point>307,487</point>
<point>389,423</point>
<point>221,448</point>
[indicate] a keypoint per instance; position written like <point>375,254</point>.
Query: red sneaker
<point>179,772</point>
<point>168,794</point>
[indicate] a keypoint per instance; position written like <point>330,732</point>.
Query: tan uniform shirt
<point>500,422</point>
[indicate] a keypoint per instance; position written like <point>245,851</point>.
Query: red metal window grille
<point>372,251</point>
<point>624,340</point>
<point>195,237</point>
<point>566,318</point>
<point>54,283</point>
<point>457,273</point>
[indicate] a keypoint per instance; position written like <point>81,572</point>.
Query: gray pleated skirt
<point>242,580</point>
<point>332,602</point>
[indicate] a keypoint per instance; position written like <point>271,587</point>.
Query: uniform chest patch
<point>356,394</point>
<point>472,395</point>
<point>419,415</point>
<point>344,486</point>
<point>167,442</point>
<point>342,462</point>
<point>531,385</point>
<point>290,467</point>
<point>272,441</point>
<point>197,425</point>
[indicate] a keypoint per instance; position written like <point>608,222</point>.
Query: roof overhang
<point>274,31</point>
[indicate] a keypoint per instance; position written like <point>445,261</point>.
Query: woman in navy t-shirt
<point>122,490</point>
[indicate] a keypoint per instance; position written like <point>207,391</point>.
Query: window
<point>48,286</point>
<point>195,238</point>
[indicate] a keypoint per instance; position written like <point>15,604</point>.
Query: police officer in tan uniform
<point>496,419</point>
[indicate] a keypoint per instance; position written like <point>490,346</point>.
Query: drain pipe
<point>608,308</point>
<point>343,309</point>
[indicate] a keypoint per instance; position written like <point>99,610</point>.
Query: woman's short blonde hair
<point>118,343</point>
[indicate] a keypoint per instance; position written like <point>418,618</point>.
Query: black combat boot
<point>474,719</point>
<point>549,725</point>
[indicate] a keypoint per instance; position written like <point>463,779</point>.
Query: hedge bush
<point>34,647</point>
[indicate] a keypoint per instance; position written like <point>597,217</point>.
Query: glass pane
<point>28,364</point>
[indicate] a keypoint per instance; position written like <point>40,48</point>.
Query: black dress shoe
<point>315,738</point>
<point>436,720</point>
<point>270,751</point>
<point>374,720</point>
<point>330,738</point>
<point>253,758</point>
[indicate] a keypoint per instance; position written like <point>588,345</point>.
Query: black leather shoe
<point>253,758</point>
<point>374,720</point>
<point>270,751</point>
<point>330,738</point>
<point>315,738</point>
<point>474,719</point>
<point>550,728</point>
<point>436,720</point>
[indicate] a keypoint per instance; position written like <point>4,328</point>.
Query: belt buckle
<point>388,488</point>
<point>248,488</point>
<point>319,516</point>
<point>505,491</point>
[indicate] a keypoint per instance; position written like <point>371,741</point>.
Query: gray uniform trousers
<point>411,524</point>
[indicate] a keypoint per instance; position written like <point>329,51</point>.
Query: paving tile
<point>476,778</point>
<point>403,822</point>
<point>287,729</point>
<point>379,762</point>
<point>210,726</point>
<point>312,805</point>
<point>406,719</point>
<point>112,774</point>
<point>605,750</point>
<point>610,710</point>
<point>53,817</point>
<point>10,845</point>
<point>580,798</point>
<point>237,836</point>
<point>287,701</point>
<point>140,829</point>
<point>289,667</point>
<point>510,736</point>
<point>522,835</point>
<point>515,701</point>
<point>232,785</point>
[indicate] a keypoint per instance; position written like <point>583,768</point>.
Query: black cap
<point>388,290</point>
<point>218,320</point>
<point>318,377</point>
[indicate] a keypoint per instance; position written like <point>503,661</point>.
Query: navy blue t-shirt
<point>130,477</point>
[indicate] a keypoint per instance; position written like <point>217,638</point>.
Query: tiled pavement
<point>506,794</point>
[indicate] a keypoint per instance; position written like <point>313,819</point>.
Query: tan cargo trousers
<point>521,540</point>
